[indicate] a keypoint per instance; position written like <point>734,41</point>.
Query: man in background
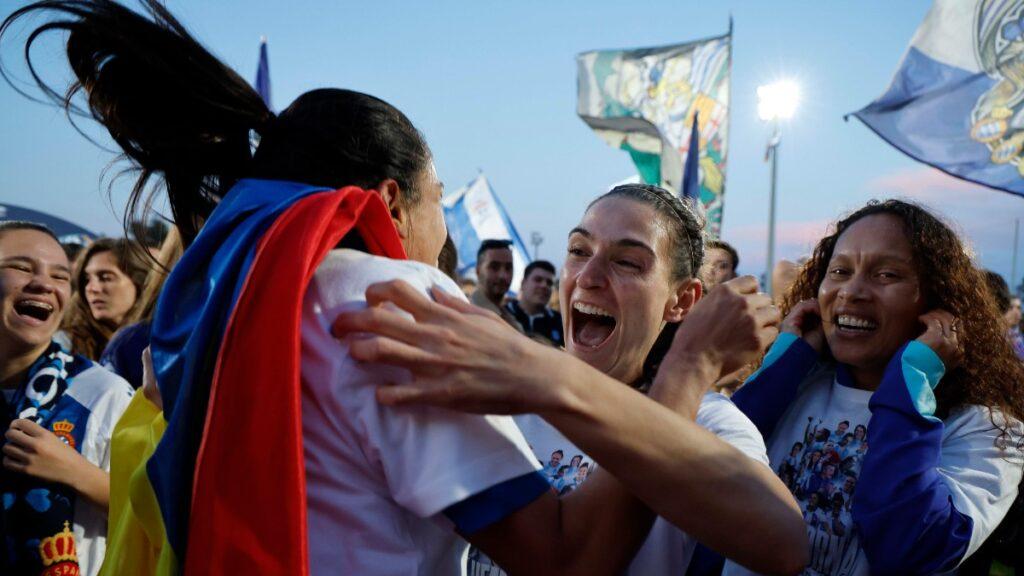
<point>720,262</point>
<point>531,309</point>
<point>494,276</point>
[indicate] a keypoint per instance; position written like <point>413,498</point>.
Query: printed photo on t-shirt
<point>821,471</point>
<point>565,469</point>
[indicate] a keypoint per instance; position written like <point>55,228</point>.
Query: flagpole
<point>1013,266</point>
<point>773,150</point>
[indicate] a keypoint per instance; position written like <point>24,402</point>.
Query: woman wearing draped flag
<point>271,454</point>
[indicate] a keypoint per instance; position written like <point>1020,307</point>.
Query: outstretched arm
<point>469,361</point>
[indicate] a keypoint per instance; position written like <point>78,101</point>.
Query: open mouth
<point>591,325</point>
<point>34,309</point>
<point>855,324</point>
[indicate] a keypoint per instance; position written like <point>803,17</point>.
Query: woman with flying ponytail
<point>270,454</point>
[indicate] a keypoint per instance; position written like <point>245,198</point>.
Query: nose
<point>592,274</point>
<point>41,283</point>
<point>854,289</point>
<point>92,287</point>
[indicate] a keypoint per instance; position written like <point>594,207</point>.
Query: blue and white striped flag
<point>474,214</point>
<point>957,101</point>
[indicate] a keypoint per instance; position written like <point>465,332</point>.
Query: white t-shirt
<point>105,396</point>
<point>975,469</point>
<point>667,549</point>
<point>378,478</point>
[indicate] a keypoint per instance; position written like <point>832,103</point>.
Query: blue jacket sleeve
<point>769,391</point>
<point>903,509</point>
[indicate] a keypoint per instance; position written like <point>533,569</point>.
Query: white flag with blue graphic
<point>957,101</point>
<point>474,214</point>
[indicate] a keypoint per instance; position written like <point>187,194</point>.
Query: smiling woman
<point>109,277</point>
<point>57,415</point>
<point>892,341</point>
<point>627,279</point>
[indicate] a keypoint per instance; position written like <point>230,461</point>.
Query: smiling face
<point>556,458</point>
<point>581,473</point>
<point>35,283</point>
<point>871,296</point>
<point>616,288</point>
<point>108,290</point>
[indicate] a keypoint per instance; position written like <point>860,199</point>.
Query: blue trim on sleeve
<point>903,508</point>
<point>922,370</point>
<point>768,392</point>
<point>496,503</point>
<point>778,349</point>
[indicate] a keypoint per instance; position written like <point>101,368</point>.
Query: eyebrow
<point>623,242</point>
<point>581,231</point>
<point>883,256</point>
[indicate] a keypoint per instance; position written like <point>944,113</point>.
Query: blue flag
<point>691,172</point>
<point>474,214</point>
<point>957,101</point>
<point>263,75</point>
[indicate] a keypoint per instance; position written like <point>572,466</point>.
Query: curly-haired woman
<point>890,328</point>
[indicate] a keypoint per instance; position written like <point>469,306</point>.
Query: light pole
<point>536,238</point>
<point>775,103</point>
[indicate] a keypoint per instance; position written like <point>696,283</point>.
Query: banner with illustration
<point>644,101</point>
<point>957,100</point>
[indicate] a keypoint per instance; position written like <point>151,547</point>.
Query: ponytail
<point>174,109</point>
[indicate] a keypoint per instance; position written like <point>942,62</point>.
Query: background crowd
<point>297,359</point>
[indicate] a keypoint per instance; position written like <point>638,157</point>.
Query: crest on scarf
<point>59,555</point>
<point>63,430</point>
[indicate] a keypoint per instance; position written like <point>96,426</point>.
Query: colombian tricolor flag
<point>215,484</point>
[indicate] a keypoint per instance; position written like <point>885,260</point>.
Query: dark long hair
<point>180,114</point>
<point>990,374</point>
<point>88,335</point>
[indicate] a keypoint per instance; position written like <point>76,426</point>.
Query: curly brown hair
<point>990,374</point>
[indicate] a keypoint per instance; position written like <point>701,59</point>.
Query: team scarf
<point>37,514</point>
<point>228,474</point>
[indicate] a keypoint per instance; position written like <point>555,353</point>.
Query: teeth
<point>855,322</point>
<point>591,309</point>
<point>37,304</point>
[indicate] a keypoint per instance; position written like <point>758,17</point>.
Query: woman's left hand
<point>942,334</point>
<point>34,450</point>
<point>461,356</point>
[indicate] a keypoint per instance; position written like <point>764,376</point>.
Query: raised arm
<point>769,391</point>
<point>469,361</point>
<point>928,498</point>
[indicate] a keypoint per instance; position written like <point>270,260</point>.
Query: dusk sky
<point>492,85</point>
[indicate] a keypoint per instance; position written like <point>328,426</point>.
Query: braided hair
<point>682,217</point>
<point>686,229</point>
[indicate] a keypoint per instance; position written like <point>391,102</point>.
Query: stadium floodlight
<point>778,101</point>
<point>775,102</point>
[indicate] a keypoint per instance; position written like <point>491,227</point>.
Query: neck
<point>866,378</point>
<point>628,376</point>
<point>14,366</point>
<point>530,308</point>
